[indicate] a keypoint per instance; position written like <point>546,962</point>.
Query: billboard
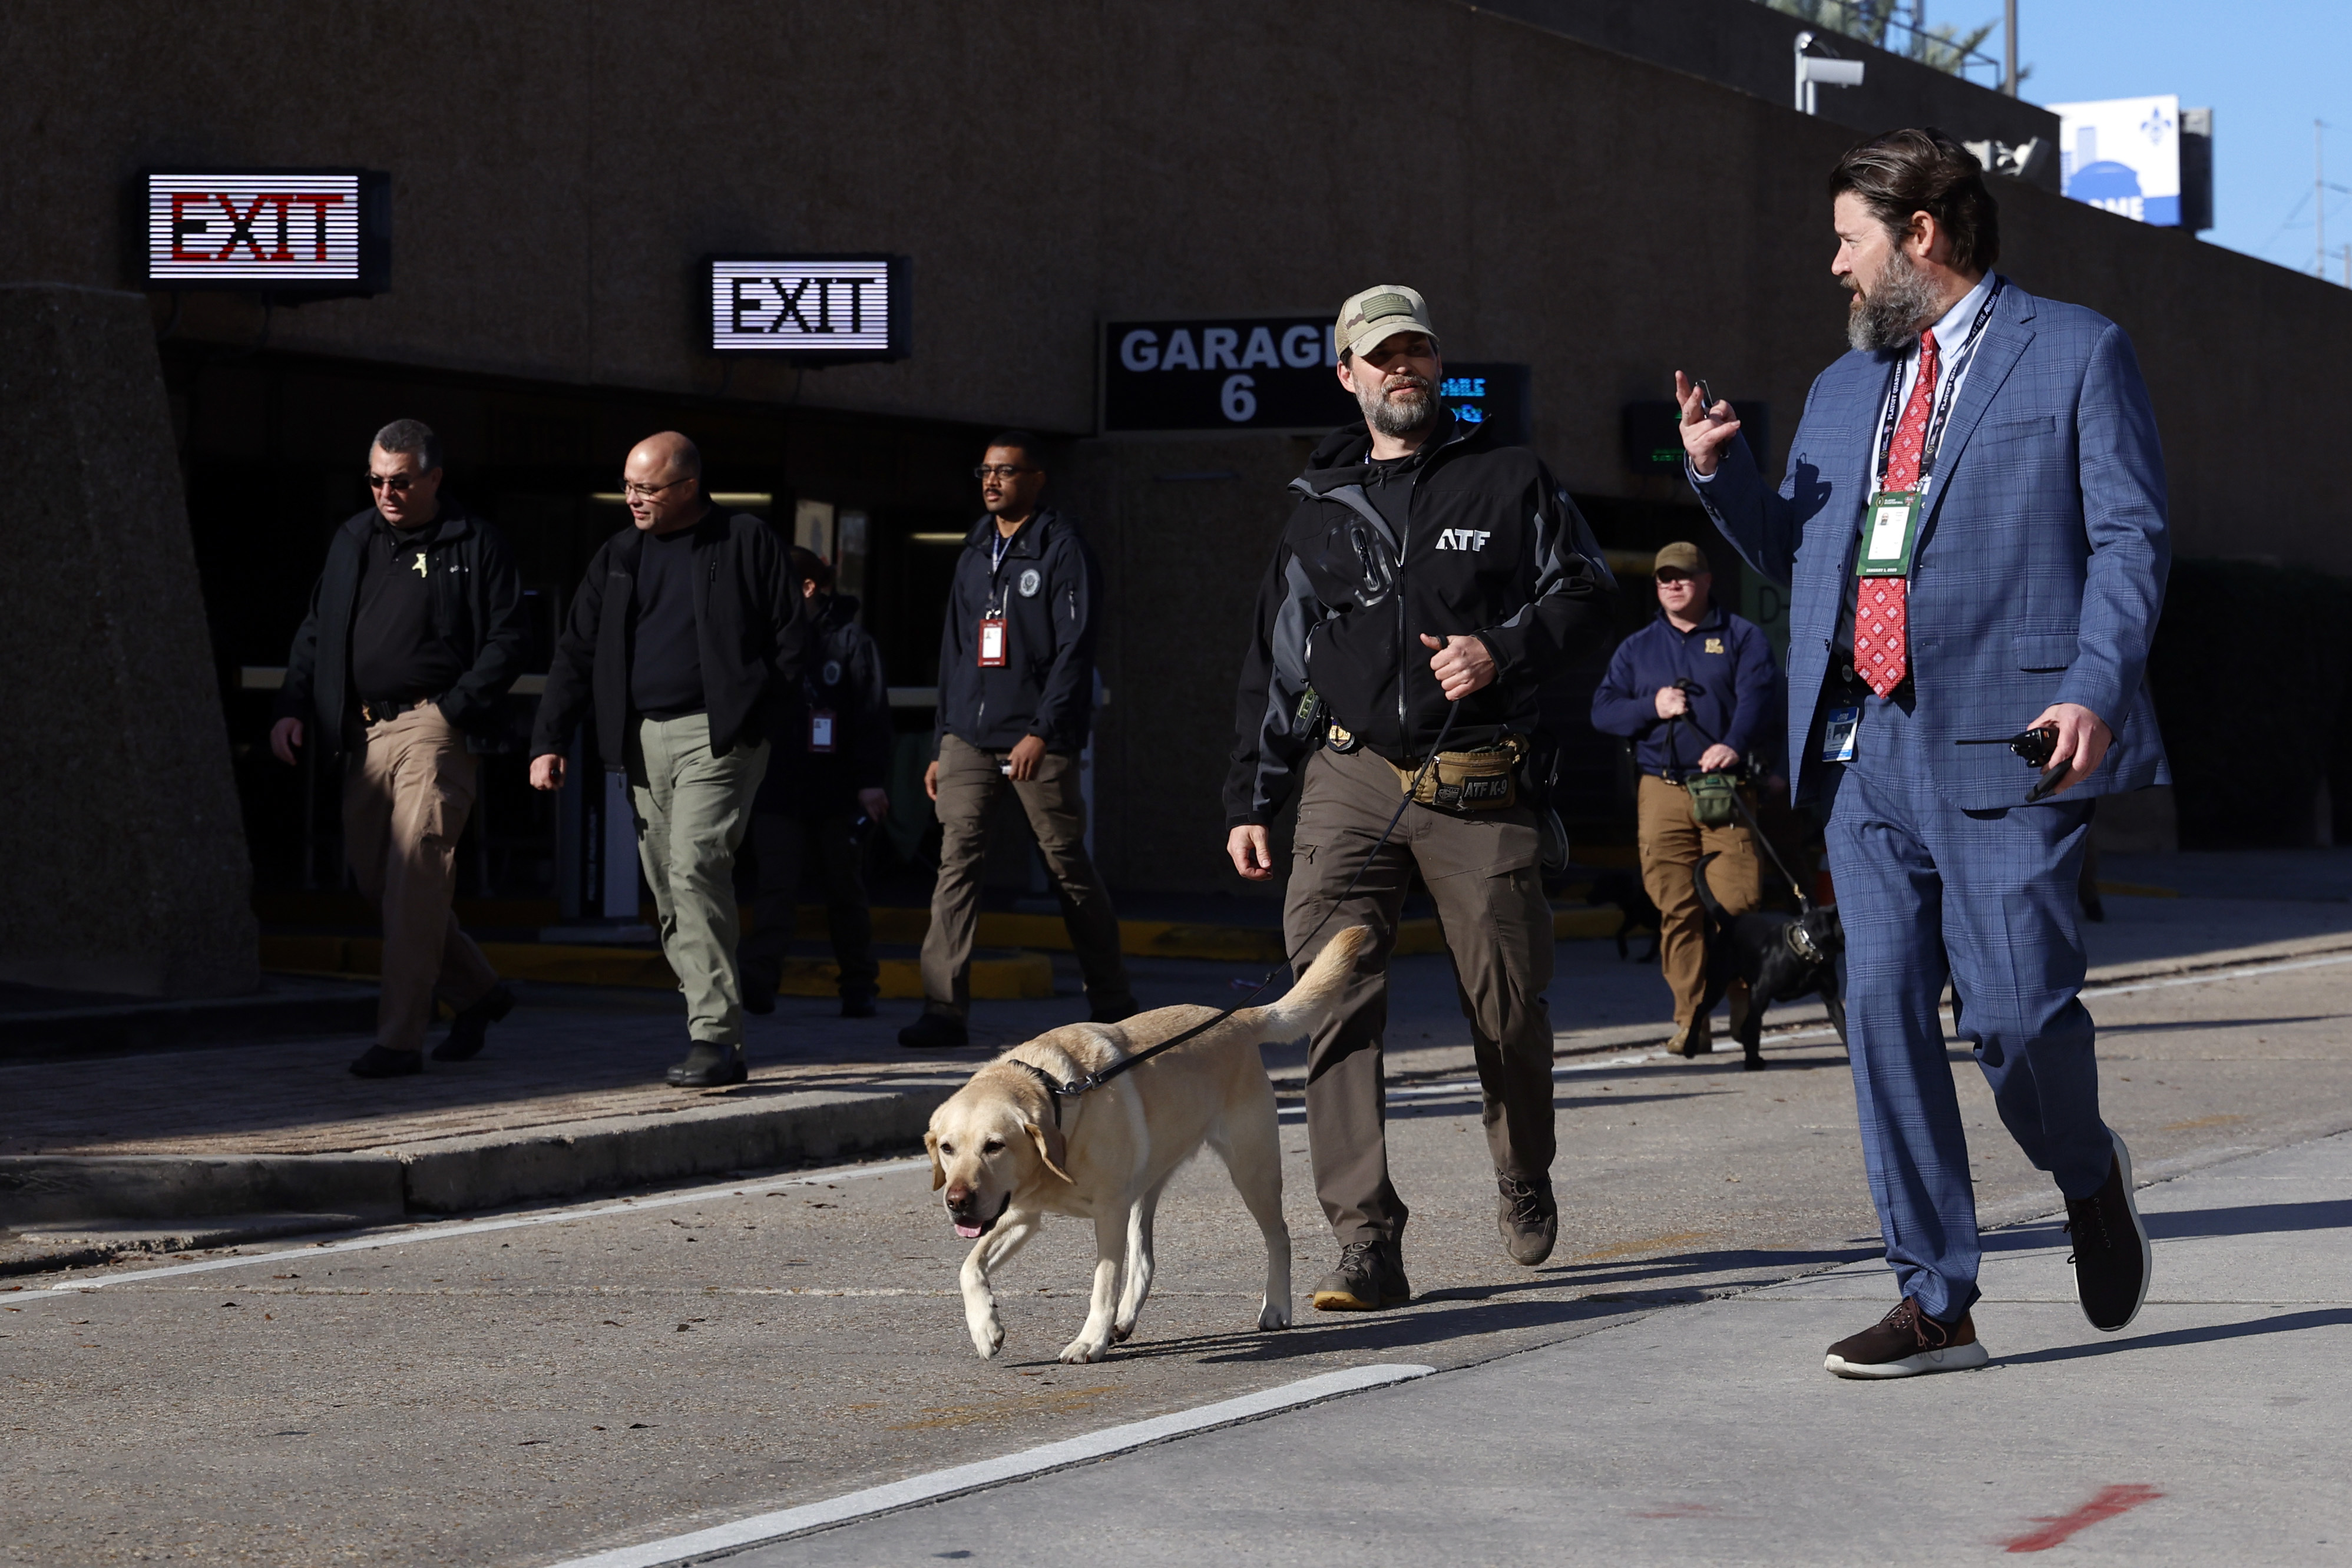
<point>2123,155</point>
<point>808,309</point>
<point>280,231</point>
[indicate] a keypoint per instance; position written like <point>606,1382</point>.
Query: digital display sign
<point>273,230</point>
<point>1653,431</point>
<point>1495,395</point>
<point>809,309</point>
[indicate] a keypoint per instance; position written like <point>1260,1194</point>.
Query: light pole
<point>2009,49</point>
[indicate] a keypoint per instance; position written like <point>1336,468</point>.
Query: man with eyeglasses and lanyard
<point>416,629</point>
<point>686,640</point>
<point>1974,520</point>
<point>1016,699</point>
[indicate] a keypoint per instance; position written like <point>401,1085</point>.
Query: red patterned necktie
<point>1881,612</point>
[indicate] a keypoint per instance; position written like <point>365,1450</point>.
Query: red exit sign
<point>271,230</point>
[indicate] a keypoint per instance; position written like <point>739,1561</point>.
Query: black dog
<point>1623,888</point>
<point>1781,956</point>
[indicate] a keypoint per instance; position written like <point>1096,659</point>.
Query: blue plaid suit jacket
<point>2041,565</point>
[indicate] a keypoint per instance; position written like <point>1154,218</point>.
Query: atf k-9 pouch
<point>1483,780</point>
<point>1712,798</point>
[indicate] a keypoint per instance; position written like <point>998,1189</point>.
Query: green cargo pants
<point>692,809</point>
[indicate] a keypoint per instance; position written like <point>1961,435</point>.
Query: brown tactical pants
<point>406,792</point>
<point>1671,843</point>
<point>970,787</point>
<point>1481,870</point>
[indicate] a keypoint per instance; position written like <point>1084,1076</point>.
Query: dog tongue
<point>967,1231</point>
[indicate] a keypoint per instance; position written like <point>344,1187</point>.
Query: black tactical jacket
<point>478,605</point>
<point>1048,589</point>
<point>1490,549</point>
<point>843,678</point>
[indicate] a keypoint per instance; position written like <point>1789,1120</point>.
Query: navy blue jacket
<point>1047,587</point>
<point>843,677</point>
<point>1738,699</point>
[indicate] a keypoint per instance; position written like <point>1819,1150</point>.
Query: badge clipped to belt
<point>992,642</point>
<point>820,736</point>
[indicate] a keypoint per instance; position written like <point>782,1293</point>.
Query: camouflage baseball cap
<point>1378,314</point>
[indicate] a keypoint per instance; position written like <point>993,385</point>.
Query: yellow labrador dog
<point>1008,1151</point>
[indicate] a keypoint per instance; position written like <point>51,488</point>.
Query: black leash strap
<point>1095,1080</point>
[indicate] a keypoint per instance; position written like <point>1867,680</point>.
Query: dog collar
<point>1801,943</point>
<point>1054,1090</point>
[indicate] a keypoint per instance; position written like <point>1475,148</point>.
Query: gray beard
<point>1392,416</point>
<point>1892,315</point>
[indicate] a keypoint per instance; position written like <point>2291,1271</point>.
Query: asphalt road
<point>627,1371</point>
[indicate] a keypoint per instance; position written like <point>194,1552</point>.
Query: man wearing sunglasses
<point>1016,698</point>
<point>686,640</point>
<point>416,629</point>
<point>1695,691</point>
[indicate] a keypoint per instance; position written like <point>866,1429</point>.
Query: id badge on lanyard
<point>992,642</point>
<point>1890,534</point>
<point>820,735</point>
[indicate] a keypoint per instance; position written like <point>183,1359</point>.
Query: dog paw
<point>1755,1064</point>
<point>1120,1331</point>
<point>1080,1352</point>
<point>1272,1316</point>
<point>988,1338</point>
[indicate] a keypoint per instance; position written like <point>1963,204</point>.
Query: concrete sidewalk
<point>2209,1431</point>
<point>258,1139</point>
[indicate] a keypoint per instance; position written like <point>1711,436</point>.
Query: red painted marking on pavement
<point>2111,1502</point>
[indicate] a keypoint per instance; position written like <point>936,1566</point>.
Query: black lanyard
<point>998,547</point>
<point>1946,395</point>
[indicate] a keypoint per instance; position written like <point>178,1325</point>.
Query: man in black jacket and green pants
<point>1016,698</point>
<point>416,629</point>
<point>1425,575</point>
<point>685,636</point>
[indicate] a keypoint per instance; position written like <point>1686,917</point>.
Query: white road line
<point>763,1528</point>
<point>475,1227</point>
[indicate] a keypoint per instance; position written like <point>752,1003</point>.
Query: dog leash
<point>1056,1091</point>
<point>1739,803</point>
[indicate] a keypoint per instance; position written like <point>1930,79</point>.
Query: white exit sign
<point>273,230</point>
<point>811,308</point>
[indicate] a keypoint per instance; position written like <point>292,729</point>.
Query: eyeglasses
<point>631,490</point>
<point>396,483</point>
<point>999,470</point>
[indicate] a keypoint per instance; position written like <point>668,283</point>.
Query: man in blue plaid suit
<point>1972,524</point>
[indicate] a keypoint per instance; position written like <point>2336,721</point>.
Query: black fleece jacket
<point>748,620</point>
<point>477,607</point>
<point>1466,539</point>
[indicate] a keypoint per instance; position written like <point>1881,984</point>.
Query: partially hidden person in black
<point>687,639</point>
<point>821,798</point>
<point>416,629</point>
<point>1016,699</point>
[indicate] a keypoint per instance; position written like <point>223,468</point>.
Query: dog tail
<point>1707,894</point>
<point>1307,1003</point>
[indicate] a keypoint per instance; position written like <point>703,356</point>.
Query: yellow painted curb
<point>1016,977</point>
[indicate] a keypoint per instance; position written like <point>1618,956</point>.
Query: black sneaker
<point>710,1066</point>
<point>1528,1217</point>
<point>2112,1258</point>
<point>935,1032</point>
<point>1370,1275</point>
<point>377,1062</point>
<point>857,1003</point>
<point>758,995</point>
<point>470,1028</point>
<point>1906,1342</point>
<point>1117,1012</point>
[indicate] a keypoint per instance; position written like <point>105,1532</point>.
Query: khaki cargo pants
<point>970,787</point>
<point>692,809</point>
<point>1480,868</point>
<point>1671,843</point>
<point>407,790</point>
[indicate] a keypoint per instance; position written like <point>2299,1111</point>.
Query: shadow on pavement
<point>2246,1219</point>
<point>2286,1323</point>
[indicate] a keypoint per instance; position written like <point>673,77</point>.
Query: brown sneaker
<point>1696,1038</point>
<point>1907,1342</point>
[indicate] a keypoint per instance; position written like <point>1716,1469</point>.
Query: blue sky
<point>2265,67</point>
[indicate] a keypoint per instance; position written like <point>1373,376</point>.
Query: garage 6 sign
<point>1222,373</point>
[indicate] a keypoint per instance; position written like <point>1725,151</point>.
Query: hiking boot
<point>1696,1038</point>
<point>708,1066</point>
<point>857,1003</point>
<point>470,1028</point>
<point>1528,1217</point>
<point>935,1032</point>
<point>377,1062</point>
<point>1370,1275</point>
<point>2111,1252</point>
<point>1906,1342</point>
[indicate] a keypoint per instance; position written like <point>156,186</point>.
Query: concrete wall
<point>557,172</point>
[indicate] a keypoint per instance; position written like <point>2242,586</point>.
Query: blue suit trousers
<point>1986,898</point>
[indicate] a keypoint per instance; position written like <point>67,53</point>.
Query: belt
<point>384,713</point>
